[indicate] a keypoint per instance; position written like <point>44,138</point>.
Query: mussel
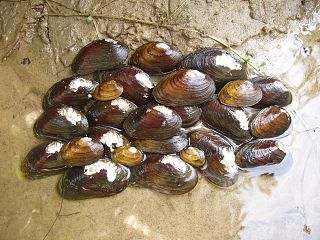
<point>164,146</point>
<point>137,85</point>
<point>259,153</point>
<point>220,167</point>
<point>101,179</point>
<point>109,90</point>
<point>166,174</point>
<point>81,151</point>
<point>274,92</point>
<point>240,93</point>
<point>184,87</point>
<point>109,113</point>
<point>72,91</point>
<point>128,156</point>
<point>152,121</point>
<point>156,58</point>
<point>100,55</point>
<point>189,115</point>
<point>217,63</point>
<point>62,123</point>
<point>110,138</point>
<point>194,156</point>
<point>231,121</point>
<point>43,160</point>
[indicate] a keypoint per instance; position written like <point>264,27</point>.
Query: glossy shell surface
<point>194,156</point>
<point>184,87</point>
<point>190,115</point>
<point>166,174</point>
<point>101,179</point>
<point>128,156</point>
<point>156,58</point>
<point>100,55</point>
<point>108,91</point>
<point>220,167</point>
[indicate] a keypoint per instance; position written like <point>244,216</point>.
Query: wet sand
<point>265,207</point>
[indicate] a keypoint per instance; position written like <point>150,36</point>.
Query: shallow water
<point>284,206</point>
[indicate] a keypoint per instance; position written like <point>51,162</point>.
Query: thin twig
<point>96,28</point>
<point>65,6</point>
<point>176,11</point>
<point>50,6</point>
<point>104,5</point>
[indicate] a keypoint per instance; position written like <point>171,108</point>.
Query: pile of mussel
<point>111,125</point>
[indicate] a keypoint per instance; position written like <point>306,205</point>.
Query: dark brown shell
<point>72,91</point>
<point>110,138</point>
<point>103,178</point>
<point>42,160</point>
<point>81,151</point>
<point>100,55</point>
<point>184,87</point>
<point>166,146</point>
<point>274,92</point>
<point>189,115</point>
<point>260,153</point>
<point>270,122</point>
<point>231,121</point>
<point>156,58</point>
<point>194,156</point>
<point>137,85</point>
<point>128,156</point>
<point>217,63</point>
<point>166,174</point>
<point>62,123</point>
<point>109,113</point>
<point>152,121</point>
<point>240,93</point>
<point>220,167</point>
<point>108,91</point>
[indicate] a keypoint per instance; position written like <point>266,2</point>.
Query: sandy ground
<point>284,35</point>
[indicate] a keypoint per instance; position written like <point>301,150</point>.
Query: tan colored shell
<point>128,156</point>
<point>108,91</point>
<point>193,156</point>
<point>240,93</point>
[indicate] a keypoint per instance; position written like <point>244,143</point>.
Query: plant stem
<point>64,6</point>
<point>175,11</point>
<point>104,5</point>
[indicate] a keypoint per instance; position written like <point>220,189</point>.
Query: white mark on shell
<point>280,85</point>
<point>241,116</point>
<point>228,61</point>
<point>229,160</point>
<point>195,74</point>
<point>70,114</point>
<point>77,83</point>
<point>54,147</point>
<point>163,46</point>
<point>110,40</point>
<point>123,104</point>
<point>133,150</point>
<point>162,109</point>
<point>144,79</point>
<point>112,139</point>
<point>175,161</point>
<point>102,164</point>
<point>281,147</point>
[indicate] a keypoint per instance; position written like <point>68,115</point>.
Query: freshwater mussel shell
<point>231,121</point>
<point>194,156</point>
<point>240,93</point>
<point>220,167</point>
<point>109,90</point>
<point>72,91</point>
<point>100,55</point>
<point>217,63</point>
<point>62,123</point>
<point>81,151</point>
<point>137,85</point>
<point>156,58</point>
<point>152,121</point>
<point>190,115</point>
<point>260,152</point>
<point>184,87</point>
<point>166,174</point>
<point>43,160</point>
<point>165,146</point>
<point>128,156</point>
<point>110,138</point>
<point>103,178</point>
<point>270,122</point>
<point>109,113</point>
<point>274,92</point>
